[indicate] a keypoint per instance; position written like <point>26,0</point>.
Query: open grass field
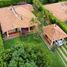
<point>33,40</point>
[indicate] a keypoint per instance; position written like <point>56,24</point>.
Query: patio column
<point>29,29</point>
<point>52,43</point>
<point>7,34</point>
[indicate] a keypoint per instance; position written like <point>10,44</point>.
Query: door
<point>24,31</point>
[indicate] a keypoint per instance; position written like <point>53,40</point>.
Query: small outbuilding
<point>53,33</point>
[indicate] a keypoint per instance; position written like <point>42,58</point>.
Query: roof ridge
<point>15,13</point>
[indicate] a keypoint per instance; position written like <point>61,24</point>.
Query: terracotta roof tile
<point>54,32</point>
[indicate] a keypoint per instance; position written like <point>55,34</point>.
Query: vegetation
<point>34,41</point>
<point>1,44</point>
<point>25,56</point>
<point>53,20</point>
<point>30,51</point>
<point>45,14</point>
<point>4,3</point>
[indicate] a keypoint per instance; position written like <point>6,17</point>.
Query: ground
<point>33,40</point>
<point>62,51</point>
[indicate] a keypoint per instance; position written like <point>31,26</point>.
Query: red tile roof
<point>54,32</point>
<point>15,17</point>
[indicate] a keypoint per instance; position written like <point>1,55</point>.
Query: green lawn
<point>33,40</point>
<point>1,43</point>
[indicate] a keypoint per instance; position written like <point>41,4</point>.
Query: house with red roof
<point>53,33</point>
<point>16,19</point>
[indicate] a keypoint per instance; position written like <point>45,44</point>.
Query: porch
<point>17,32</point>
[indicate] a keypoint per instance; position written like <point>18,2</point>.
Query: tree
<point>25,56</point>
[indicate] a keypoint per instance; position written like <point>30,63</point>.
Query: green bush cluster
<point>25,56</point>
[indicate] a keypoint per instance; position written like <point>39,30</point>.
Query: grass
<point>62,57</point>
<point>1,42</point>
<point>65,46</point>
<point>63,51</point>
<point>33,40</point>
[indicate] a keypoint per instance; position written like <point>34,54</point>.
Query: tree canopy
<point>25,56</point>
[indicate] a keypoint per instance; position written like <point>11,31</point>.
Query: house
<point>16,19</point>
<point>59,10</point>
<point>53,33</point>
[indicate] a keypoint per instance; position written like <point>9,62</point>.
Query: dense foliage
<point>25,56</point>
